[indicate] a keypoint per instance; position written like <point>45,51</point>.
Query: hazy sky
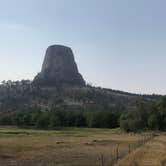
<point>118,44</point>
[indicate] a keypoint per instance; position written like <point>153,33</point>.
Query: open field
<point>70,146</point>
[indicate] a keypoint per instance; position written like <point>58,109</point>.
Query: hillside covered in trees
<point>24,104</point>
<point>25,96</point>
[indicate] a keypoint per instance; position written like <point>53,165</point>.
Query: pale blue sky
<point>118,44</point>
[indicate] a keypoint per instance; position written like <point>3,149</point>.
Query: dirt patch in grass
<point>6,156</point>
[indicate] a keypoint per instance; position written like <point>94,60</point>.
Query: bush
<point>153,122</point>
<point>5,119</point>
<point>130,121</point>
<point>43,121</point>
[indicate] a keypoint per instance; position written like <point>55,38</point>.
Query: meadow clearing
<point>78,146</point>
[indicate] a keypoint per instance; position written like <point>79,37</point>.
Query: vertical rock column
<point>59,67</point>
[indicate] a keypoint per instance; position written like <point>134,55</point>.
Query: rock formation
<point>59,68</point>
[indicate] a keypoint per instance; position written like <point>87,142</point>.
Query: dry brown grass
<point>49,148</point>
<point>152,153</point>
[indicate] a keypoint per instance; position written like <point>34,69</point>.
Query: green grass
<point>64,132</point>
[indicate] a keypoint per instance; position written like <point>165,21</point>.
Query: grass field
<point>69,146</point>
<point>153,153</point>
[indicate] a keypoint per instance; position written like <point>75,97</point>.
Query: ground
<point>76,147</point>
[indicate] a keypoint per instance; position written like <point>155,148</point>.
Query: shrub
<point>130,121</point>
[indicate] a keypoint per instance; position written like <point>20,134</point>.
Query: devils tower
<point>59,68</point>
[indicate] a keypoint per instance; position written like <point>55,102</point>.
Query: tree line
<point>147,116</point>
<point>61,118</point>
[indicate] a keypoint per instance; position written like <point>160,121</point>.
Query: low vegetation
<point>67,146</point>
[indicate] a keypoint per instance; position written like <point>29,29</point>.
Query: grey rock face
<point>59,67</point>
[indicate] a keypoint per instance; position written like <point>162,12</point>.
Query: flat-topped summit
<point>59,67</point>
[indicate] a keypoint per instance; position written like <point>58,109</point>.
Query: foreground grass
<point>153,153</point>
<point>68,146</point>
